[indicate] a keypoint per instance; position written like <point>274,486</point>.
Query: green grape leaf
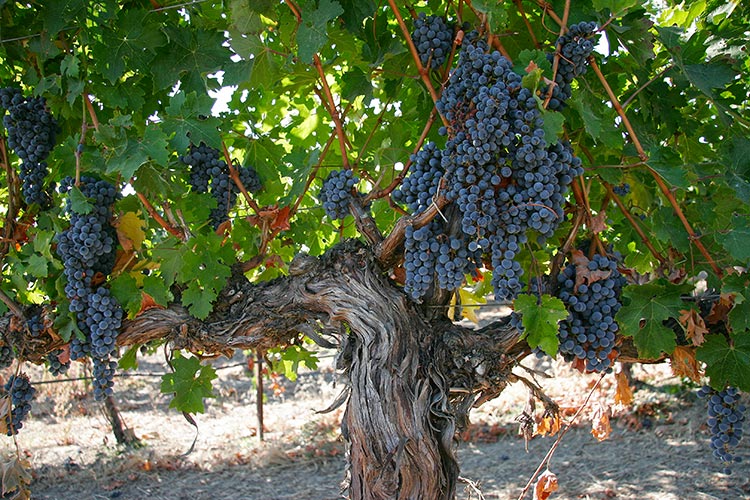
<point>643,310</point>
<point>37,266</point>
<point>292,357</point>
<point>198,299</point>
<point>125,289</point>
<point>189,118</point>
<point>313,32</point>
<point>78,202</point>
<point>190,383</point>
<point>128,361</point>
<point>540,320</point>
<point>727,363</point>
<point>736,241</point>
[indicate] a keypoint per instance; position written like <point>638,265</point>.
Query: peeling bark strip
<point>411,381</point>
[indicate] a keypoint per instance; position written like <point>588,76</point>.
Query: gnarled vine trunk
<point>410,380</point>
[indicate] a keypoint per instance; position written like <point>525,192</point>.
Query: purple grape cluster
<point>337,193</point>
<point>55,366</point>
<point>433,38</point>
<point>32,131</point>
<point>21,394</point>
<point>621,189</point>
<point>588,334</point>
<point>725,417</point>
<point>505,180</point>
<point>6,356</point>
<point>575,47</point>
<point>86,248</point>
<point>209,173</point>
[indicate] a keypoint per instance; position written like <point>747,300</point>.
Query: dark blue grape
<point>433,38</point>
<point>336,193</point>
<point>725,417</point>
<point>21,394</point>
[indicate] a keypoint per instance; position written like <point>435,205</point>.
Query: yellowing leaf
<point>130,231</point>
<point>623,393</point>
<point>469,301</point>
<point>545,485</point>
<point>684,363</point>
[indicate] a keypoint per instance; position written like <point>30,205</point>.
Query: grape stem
<point>659,181</point>
<point>14,308</point>
<point>159,219</point>
<point>553,448</point>
<point>527,23</point>
<point>624,210</point>
<point>236,178</point>
<point>331,107</point>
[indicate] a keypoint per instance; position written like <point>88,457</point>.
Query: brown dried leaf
<point>545,485</point>
<point>599,222</point>
<point>684,363</point>
<point>600,427</point>
<point>721,308</point>
<point>16,478</point>
<point>5,409</point>
<point>583,273</point>
<point>694,325</point>
<point>548,425</point>
<point>623,393</point>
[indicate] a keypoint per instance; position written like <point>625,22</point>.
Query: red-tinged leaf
<point>148,302</point>
<point>600,426</point>
<point>623,392</point>
<point>545,485</point>
<point>281,221</point>
<point>684,363</point>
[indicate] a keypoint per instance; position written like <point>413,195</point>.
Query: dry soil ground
<point>658,448</point>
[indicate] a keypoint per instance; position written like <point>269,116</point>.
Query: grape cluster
<point>87,248</point>
<point>575,47</point>
<point>433,38</point>
<point>32,131</point>
<point>591,294</point>
<point>209,173</point>
<point>54,365</point>
<point>621,189</point>
<point>725,417</point>
<point>6,356</point>
<point>337,193</point>
<point>21,393</point>
<point>504,178</point>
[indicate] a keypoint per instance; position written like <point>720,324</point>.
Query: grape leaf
<point>644,308</point>
<point>78,202</point>
<point>313,32</point>
<point>737,240</point>
<point>198,298</point>
<point>190,383</point>
<point>725,363</point>
<point>540,318</point>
